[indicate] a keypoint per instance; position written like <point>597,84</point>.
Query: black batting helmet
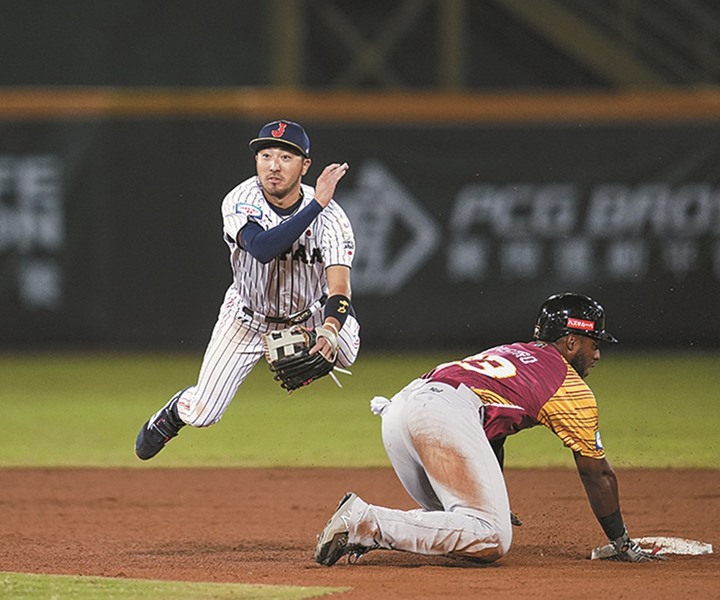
<point>571,313</point>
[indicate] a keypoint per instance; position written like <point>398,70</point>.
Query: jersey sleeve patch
<point>249,210</point>
<point>598,442</point>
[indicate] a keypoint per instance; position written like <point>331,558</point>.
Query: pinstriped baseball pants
<point>234,349</point>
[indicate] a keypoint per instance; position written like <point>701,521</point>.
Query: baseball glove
<point>288,355</point>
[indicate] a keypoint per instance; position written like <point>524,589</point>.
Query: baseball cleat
<point>333,541</point>
<point>158,431</point>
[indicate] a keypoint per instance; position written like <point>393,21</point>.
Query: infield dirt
<point>260,525</point>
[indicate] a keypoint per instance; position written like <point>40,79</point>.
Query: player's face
<point>585,355</point>
<point>280,171</point>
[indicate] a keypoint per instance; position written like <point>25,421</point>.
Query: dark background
<point>141,262</point>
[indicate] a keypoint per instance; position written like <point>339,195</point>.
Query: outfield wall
<point>468,211</point>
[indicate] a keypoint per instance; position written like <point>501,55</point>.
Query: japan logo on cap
<point>285,133</point>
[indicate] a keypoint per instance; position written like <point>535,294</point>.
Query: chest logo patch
<point>248,209</point>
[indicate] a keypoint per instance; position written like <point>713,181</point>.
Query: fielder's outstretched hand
<point>327,181</point>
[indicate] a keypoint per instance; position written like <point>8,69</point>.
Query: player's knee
<point>504,542</point>
<point>487,555</point>
<point>504,547</point>
<point>493,538</point>
<point>488,552</point>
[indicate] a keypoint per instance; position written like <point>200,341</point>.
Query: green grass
<point>656,410</point>
<point>21,586</point>
<point>661,410</point>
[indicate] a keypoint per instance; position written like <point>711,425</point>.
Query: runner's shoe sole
<point>333,541</point>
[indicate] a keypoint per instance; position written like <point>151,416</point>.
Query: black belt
<point>295,319</point>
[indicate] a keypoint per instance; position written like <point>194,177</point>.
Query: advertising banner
<point>110,231</point>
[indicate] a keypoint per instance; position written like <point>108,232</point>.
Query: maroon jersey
<point>524,384</point>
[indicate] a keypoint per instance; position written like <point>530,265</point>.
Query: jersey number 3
<point>497,367</point>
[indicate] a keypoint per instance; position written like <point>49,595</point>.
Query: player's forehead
<point>277,149</point>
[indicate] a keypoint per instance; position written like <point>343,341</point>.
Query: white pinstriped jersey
<point>287,285</point>
<point>295,279</point>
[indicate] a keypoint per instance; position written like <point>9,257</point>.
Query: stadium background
<point>500,151</point>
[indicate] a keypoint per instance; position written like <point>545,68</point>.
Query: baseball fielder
<point>438,431</point>
<point>291,249</point>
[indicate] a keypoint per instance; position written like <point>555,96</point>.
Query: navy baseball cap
<point>282,132</point>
